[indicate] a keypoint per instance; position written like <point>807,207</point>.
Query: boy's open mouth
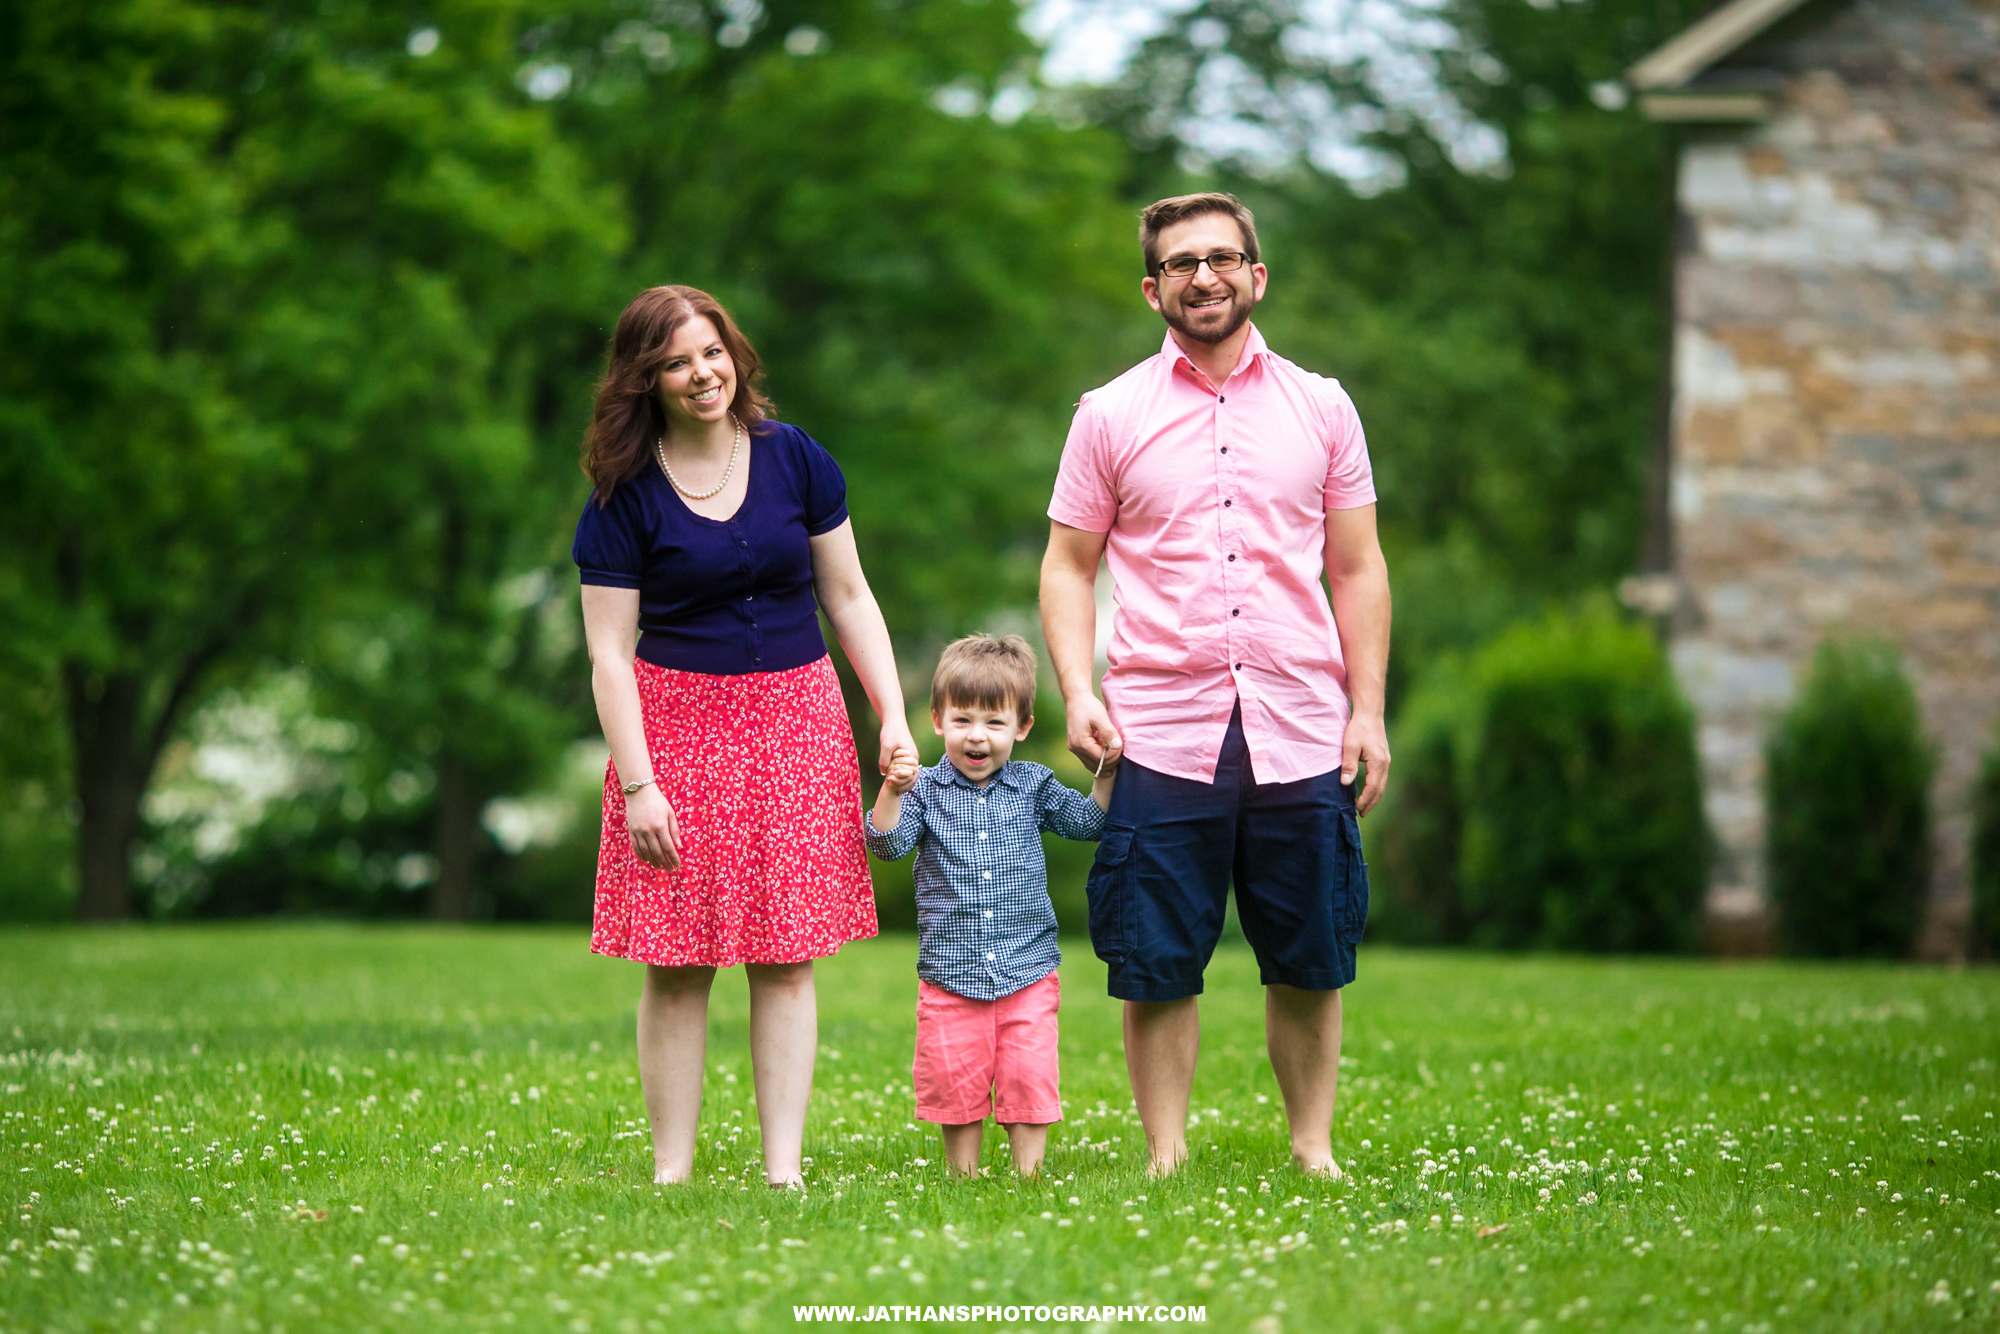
<point>974,756</point>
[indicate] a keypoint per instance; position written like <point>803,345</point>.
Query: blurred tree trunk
<point>117,748</point>
<point>457,842</point>
<point>103,717</point>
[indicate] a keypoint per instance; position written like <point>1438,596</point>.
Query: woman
<point>732,808</point>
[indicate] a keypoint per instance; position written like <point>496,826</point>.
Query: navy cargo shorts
<point>1172,846</point>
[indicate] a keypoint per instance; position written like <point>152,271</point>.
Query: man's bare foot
<point>1326,1169</point>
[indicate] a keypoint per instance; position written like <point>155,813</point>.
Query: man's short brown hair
<point>1164,213</point>
<point>986,672</point>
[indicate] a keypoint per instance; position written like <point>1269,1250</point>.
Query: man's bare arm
<point>1069,624</point>
<point>1358,578</point>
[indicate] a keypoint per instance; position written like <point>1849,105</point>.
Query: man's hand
<point>655,830</point>
<point>902,772</point>
<point>1090,731</point>
<point>1366,742</point>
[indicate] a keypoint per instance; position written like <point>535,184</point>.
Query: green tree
<point>273,282</point>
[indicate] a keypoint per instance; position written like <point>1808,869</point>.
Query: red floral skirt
<point>762,775</point>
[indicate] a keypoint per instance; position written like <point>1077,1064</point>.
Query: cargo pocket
<point>1106,889</point>
<point>1354,906</point>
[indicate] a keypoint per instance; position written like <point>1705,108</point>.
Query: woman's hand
<point>656,832</point>
<point>895,736</point>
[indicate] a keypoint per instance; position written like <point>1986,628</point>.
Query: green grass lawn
<point>406,1129</point>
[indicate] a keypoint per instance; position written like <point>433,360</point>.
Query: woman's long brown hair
<point>628,418</point>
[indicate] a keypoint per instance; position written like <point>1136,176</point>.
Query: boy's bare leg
<point>1028,1143</point>
<point>784,1039</point>
<point>673,1045</point>
<point>1302,1032</point>
<point>961,1147</point>
<point>1162,1039</point>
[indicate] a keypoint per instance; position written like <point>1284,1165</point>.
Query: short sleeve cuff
<point>828,524</point>
<point>1088,521</point>
<point>1350,497</point>
<point>609,578</point>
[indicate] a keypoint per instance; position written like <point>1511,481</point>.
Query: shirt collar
<point>1255,348</point>
<point>947,772</point>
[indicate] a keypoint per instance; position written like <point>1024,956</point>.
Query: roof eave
<point>1723,31</point>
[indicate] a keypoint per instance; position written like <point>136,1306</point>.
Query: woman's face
<point>698,381</point>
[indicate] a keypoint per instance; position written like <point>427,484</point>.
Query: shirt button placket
<point>1227,527</point>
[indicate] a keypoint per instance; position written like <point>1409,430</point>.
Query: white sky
<point>1090,41</point>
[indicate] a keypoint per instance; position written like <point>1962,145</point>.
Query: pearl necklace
<point>660,449</point>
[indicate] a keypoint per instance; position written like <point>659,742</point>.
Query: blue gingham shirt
<point>985,926</point>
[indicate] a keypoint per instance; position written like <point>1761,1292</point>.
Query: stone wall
<point>1836,435</point>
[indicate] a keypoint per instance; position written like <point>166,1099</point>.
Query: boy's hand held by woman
<point>902,771</point>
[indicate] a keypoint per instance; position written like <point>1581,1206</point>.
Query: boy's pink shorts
<point>977,1058</point>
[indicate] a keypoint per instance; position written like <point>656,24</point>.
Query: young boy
<point>986,955</point>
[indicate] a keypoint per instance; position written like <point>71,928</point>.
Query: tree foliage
<point>304,304</point>
<point>272,289</point>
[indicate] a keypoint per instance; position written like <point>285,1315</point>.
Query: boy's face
<point>979,740</point>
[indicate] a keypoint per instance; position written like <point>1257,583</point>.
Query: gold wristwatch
<point>630,788</point>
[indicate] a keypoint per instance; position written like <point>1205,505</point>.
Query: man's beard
<point>1239,314</point>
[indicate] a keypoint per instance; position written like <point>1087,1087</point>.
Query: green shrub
<point>1986,855</point>
<point>1413,846</point>
<point>1847,807</point>
<point>1552,798</point>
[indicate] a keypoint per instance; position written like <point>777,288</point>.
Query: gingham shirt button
<point>986,875</point>
<point>982,833</point>
<point>989,956</point>
<point>989,912</point>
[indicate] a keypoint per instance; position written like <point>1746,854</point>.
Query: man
<point>1223,483</point>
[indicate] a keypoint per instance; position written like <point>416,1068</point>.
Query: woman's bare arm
<point>611,632</point>
<point>844,596</point>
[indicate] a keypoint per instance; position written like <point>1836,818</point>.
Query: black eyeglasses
<point>1184,266</point>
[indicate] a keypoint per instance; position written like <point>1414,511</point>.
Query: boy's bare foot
<point>795,1182</point>
<point>1326,1169</point>
<point>666,1176</point>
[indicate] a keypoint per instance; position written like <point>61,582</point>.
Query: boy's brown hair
<point>986,672</point>
<point>1164,213</point>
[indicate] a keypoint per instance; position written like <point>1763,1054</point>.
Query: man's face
<point>1207,307</point>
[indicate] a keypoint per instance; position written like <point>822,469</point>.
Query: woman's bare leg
<point>784,1038</point>
<point>673,1046</point>
<point>1028,1143</point>
<point>961,1147</point>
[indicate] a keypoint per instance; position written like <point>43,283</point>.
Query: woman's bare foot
<point>1327,1169</point>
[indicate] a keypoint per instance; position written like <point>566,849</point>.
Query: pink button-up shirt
<point>1214,504</point>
